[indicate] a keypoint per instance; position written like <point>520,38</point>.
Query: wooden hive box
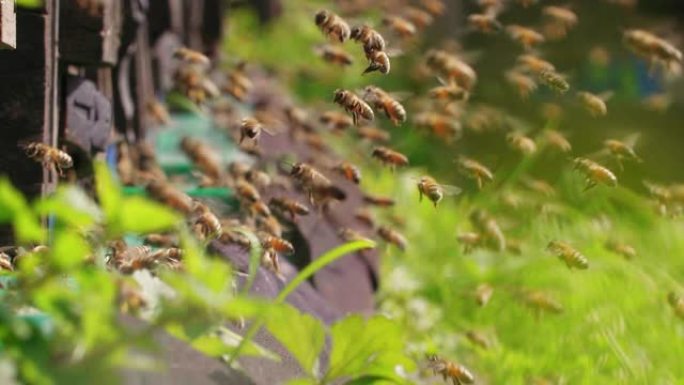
<point>8,25</point>
<point>90,32</point>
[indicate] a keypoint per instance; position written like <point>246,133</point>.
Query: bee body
<point>354,105</point>
<point>349,171</point>
<point>319,187</point>
<point>168,195</point>
<point>457,373</point>
<point>392,236</point>
<point>335,55</point>
<point>276,243</point>
<point>593,103</point>
<point>379,201</point>
<point>483,293</point>
<point>378,61</point>
<point>558,141</point>
<point>332,25</point>
<point>475,170</point>
<point>524,83</point>
<point>49,156</point>
<point>401,26</point>
<point>435,192</point>
<point>370,39</point>
<point>554,81</point>
<point>390,157</point>
<point>292,207</point>
<point>373,134</point>
<point>568,254</point>
<point>595,173</point>
<point>521,143</point>
<point>528,38</point>
<point>418,17</point>
<point>191,56</point>
<point>469,240</point>
<point>452,68</point>
<point>489,228</point>
<point>485,22</point>
<point>542,302</point>
<point>385,102</point>
<point>203,157</point>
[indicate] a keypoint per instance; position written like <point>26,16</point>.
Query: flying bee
<point>458,374</point>
<point>521,143</point>
<point>259,208</point>
<point>247,191</point>
<point>451,67</point>
<point>317,185</point>
<point>448,92</point>
<point>161,240</point>
<point>393,237</point>
<point>373,134</point>
<point>478,338</point>
<point>334,54</point>
<point>534,64</point>
<point>677,303</point>
<point>528,38</point>
<point>443,126</point>
<point>332,25</point>
<point>483,293</point>
<point>235,238</point>
<point>379,201</point>
<point>400,26</point>
<point>353,105</point>
<point>276,243</point>
<point>378,61</point>
<point>557,141</point>
<point>370,39</point>
<point>290,206</point>
<point>568,254</point>
<point>657,102</point>
<point>252,128</point>
<point>258,178</point>
<point>541,302</point>
<point>239,85</point>
<point>484,22</point>
<point>206,224</point>
<point>168,195</point>
<point>365,216</point>
<point>49,156</point>
<point>390,157</point>
<point>203,157</point>
<point>626,251</point>
<point>270,225</point>
<point>524,84</point>
<point>382,100</point>
<point>539,186</point>
<point>554,81</point>
<point>434,191</point>
<point>158,112</point>
<point>561,18</point>
<point>652,47</point>
<point>270,260</point>
<point>622,150</point>
<point>349,171</point>
<point>337,121</point>
<point>595,173</point>
<point>594,104</point>
<point>349,235</point>
<point>192,57</point>
<point>419,17</point>
<point>474,170</point>
<point>469,240</point>
<point>435,7</point>
<point>486,225</point>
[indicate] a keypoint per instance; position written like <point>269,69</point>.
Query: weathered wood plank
<point>8,25</point>
<point>90,32</point>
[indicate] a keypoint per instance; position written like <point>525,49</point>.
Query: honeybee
<point>373,134</point>
<point>6,262</point>
<point>191,56</point>
<point>168,195</point>
<point>594,104</point>
<point>539,186</point>
<point>206,224</point>
<point>554,81</point>
<point>595,173</point>
<point>365,216</point>
<point>49,156</point>
<point>561,18</point>
<point>448,92</point>
<point>657,102</point>
<point>400,26</point>
<point>419,17</point>
<point>158,112</point>
<point>435,7</point>
<point>259,208</point>
<point>161,240</point>
<point>353,105</point>
<point>558,141</point>
<point>129,259</point>
<point>458,374</point>
<point>276,243</point>
<point>677,303</point>
<point>484,22</point>
<point>378,61</point>
<point>434,191</point>
<point>382,100</point>
<point>332,25</point>
<point>379,201</point>
<point>521,143</point>
<point>622,150</point>
<point>203,157</point>
<point>258,178</point>
<point>349,171</point>
<point>478,338</point>
<point>270,225</point>
<point>236,238</point>
<point>334,54</point>
<point>349,235</point>
<point>270,260</point>
<point>443,126</point>
<point>452,68</point>
<point>247,191</point>
<point>392,236</point>
<point>469,240</point>
<point>317,185</point>
<point>528,38</point>
<point>292,207</point>
<point>652,47</point>
<point>523,83</point>
<point>534,63</point>
<point>337,121</point>
<point>252,128</point>
<point>390,157</point>
<point>623,249</point>
<point>370,39</point>
<point>568,254</point>
<point>483,293</point>
<point>474,170</point>
<point>489,229</point>
<point>541,302</point>
<point>239,85</point>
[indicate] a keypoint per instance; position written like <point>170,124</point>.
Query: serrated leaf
<point>139,215</point>
<point>302,335</point>
<point>224,341</point>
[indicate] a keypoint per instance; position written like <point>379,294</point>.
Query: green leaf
<point>69,250</point>
<point>302,334</point>
<point>32,4</point>
<point>108,191</point>
<point>70,205</point>
<point>301,381</point>
<point>177,101</point>
<point>223,342</point>
<point>139,215</point>
<point>15,209</point>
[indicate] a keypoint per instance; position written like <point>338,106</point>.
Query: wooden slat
<point>90,35</point>
<point>8,25</point>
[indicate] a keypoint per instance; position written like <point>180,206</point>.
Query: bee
<point>392,236</point>
<point>129,259</point>
<point>561,17</point>
<point>258,178</point>
<point>382,100</point>
<point>474,170</point>
<point>418,17</point>
<point>484,22</point>
<point>483,293</point>
<point>478,338</point>
<point>400,26</point>
<point>378,61</point>
<point>448,92</point>
<point>441,125</point>
<point>49,156</point>
<point>534,63</point>
<point>206,224</point>
<point>365,216</point>
<point>379,201</point>
<point>158,112</point>
<point>539,186</point>
<point>247,191</point>
<point>318,186</point>
<point>239,85</point>
<point>435,7</point>
<point>353,105</point>
<point>677,303</point>
<point>557,141</point>
<point>203,156</point>
<point>370,39</point>
<point>554,81</point>
<point>541,302</point>
<point>336,120</point>
<point>657,102</point>
<point>521,143</point>
<point>168,195</point>
<point>525,84</point>
<point>6,262</point>
<point>349,171</point>
<point>528,38</point>
<point>349,235</point>
<point>130,297</point>
<point>652,47</point>
<point>458,374</point>
<point>334,54</point>
<point>469,240</point>
<point>235,238</point>
<point>251,128</point>
<point>489,228</point>
<point>595,173</point>
<point>373,134</point>
<point>292,207</point>
<point>270,225</point>
<point>594,104</point>
<point>270,260</point>
<point>259,208</point>
<point>621,151</point>
<point>451,67</point>
<point>332,25</point>
<point>390,157</point>
<point>626,251</point>
<point>568,254</point>
<point>161,240</point>
<point>434,191</point>
<point>192,57</point>
<point>278,244</point>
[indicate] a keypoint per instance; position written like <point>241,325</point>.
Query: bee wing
<point>394,52</point>
<point>600,154</point>
<point>271,130</point>
<point>401,95</point>
<point>450,190</point>
<point>606,95</point>
<point>632,139</point>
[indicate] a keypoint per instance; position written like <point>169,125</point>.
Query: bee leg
<point>479,183</point>
<point>420,195</point>
<point>355,118</point>
<point>590,184</point>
